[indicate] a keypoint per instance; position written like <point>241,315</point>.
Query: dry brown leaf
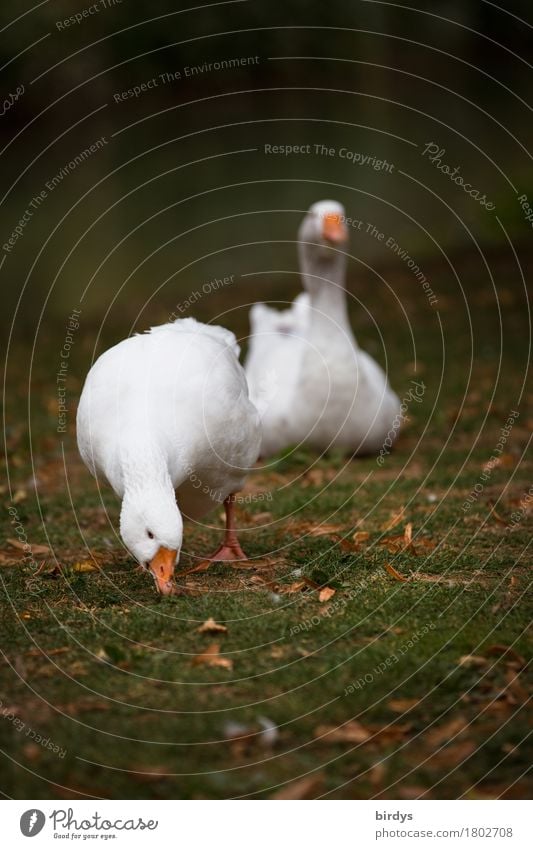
<point>390,733</point>
<point>506,652</point>
<point>303,788</point>
<point>443,733</point>
<point>278,652</point>
<point>295,587</point>
<point>408,534</point>
<point>472,660</point>
<point>324,530</point>
<point>360,536</point>
<point>496,515</point>
<point>200,567</point>
<point>394,573</point>
<point>451,756</point>
<point>377,774</point>
<point>35,549</point>
<point>326,593</point>
<point>424,542</point>
<point>212,657</point>
<point>46,652</point>
<point>394,520</point>
<point>403,705</point>
<point>350,732</point>
<point>212,627</point>
<point>514,691</point>
<point>400,542</point>
<point>84,566</point>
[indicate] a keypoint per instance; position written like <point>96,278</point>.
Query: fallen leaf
<point>324,530</point>
<point>278,652</point>
<point>408,534</point>
<point>390,733</point>
<point>394,573</point>
<point>295,587</point>
<point>10,710</point>
<point>212,627</point>
<point>303,788</point>
<point>84,566</point>
<point>472,660</point>
<point>496,515</point>
<point>506,652</point>
<point>360,536</point>
<point>35,549</point>
<point>212,657</point>
<point>200,567</point>
<point>377,774</point>
<point>46,652</point>
<point>403,705</point>
<point>411,791</point>
<point>452,756</point>
<point>443,733</point>
<point>350,732</point>
<point>326,593</point>
<point>394,520</point>
<point>514,692</point>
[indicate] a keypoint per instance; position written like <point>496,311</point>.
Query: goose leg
<point>230,548</point>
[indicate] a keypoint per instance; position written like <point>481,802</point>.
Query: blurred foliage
<point>373,73</point>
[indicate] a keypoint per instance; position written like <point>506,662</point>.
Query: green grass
<point>101,666</point>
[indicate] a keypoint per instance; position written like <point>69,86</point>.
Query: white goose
<point>307,376</point>
<point>165,417</point>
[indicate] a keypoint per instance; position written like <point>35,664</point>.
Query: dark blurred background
<point>181,190</point>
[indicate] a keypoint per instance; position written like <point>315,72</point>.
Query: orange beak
<point>333,229</point>
<point>162,568</point>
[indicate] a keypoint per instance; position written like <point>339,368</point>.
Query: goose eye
<point>150,534</point>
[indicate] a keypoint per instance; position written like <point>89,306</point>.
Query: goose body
<point>165,417</point>
<point>311,382</point>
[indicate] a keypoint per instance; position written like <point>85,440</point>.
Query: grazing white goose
<point>307,376</point>
<point>165,417</point>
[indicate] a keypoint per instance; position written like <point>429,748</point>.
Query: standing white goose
<point>165,417</point>
<point>307,375</point>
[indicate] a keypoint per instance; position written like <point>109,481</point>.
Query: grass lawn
<point>376,642</point>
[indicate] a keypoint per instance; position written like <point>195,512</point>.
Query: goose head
<point>151,527</point>
<point>322,241</point>
<point>325,226</point>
